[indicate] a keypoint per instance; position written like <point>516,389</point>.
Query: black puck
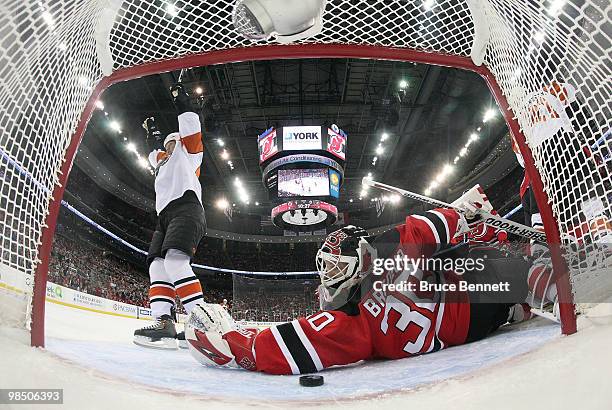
<point>312,380</point>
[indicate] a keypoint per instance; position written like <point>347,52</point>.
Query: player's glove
<point>180,98</point>
<point>152,131</point>
<point>177,89</point>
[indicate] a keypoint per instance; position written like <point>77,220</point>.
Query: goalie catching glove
<point>214,339</point>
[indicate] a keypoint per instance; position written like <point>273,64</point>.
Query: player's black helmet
<point>340,260</point>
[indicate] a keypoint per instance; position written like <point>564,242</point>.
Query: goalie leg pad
<point>204,332</point>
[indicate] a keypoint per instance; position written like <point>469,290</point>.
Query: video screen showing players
<point>303,182</point>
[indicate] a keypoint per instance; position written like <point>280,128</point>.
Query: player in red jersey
<point>362,319</point>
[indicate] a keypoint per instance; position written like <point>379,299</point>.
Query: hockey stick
<point>495,221</point>
<point>180,76</point>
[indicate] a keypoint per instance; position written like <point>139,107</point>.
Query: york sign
<point>302,138</point>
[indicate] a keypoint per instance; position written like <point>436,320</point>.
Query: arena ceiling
<point>428,113</point>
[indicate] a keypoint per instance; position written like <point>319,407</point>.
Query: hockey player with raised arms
<point>181,223</point>
<point>358,323</point>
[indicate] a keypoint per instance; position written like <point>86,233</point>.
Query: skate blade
<point>165,343</point>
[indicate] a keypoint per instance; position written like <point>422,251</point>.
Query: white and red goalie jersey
<point>387,325</point>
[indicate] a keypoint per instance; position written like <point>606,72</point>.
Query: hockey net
<point>546,62</point>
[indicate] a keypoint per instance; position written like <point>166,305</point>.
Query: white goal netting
<point>550,58</point>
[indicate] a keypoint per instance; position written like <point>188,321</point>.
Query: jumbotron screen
<point>303,182</point>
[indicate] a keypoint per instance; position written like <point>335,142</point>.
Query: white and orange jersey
<point>178,173</point>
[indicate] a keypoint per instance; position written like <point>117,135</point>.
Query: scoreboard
<point>303,171</point>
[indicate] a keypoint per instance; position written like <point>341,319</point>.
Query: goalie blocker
<point>363,324</point>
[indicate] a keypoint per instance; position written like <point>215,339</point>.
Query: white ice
<point>92,357</point>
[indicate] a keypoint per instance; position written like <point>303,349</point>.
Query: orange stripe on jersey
<point>198,172</point>
<point>193,143</point>
<point>161,155</point>
<point>189,290</point>
<point>161,291</point>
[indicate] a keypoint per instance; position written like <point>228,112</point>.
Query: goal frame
<point>296,51</point>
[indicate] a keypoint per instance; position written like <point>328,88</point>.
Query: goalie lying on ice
<point>360,323</point>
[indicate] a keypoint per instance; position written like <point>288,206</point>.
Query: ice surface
<point>563,373</point>
<point>104,343</point>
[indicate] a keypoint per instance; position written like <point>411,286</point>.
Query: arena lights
<point>222,204</point>
<point>115,126</point>
<point>403,84</point>
<point>83,81</point>
<point>473,137</point>
<point>489,114</point>
<point>384,136</point>
<point>99,105</point>
<point>199,90</point>
<point>224,154</point>
<point>48,18</point>
<point>351,200</point>
<point>143,162</point>
<point>463,151</point>
<point>555,7</point>
<point>380,149</point>
<point>220,142</point>
<point>427,192</point>
<point>242,193</point>
<point>256,203</point>
<point>539,37</point>
<point>171,10</point>
<point>231,165</point>
<point>131,147</point>
<point>374,160</point>
<point>429,4</point>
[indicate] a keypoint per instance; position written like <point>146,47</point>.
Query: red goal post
<point>131,39</point>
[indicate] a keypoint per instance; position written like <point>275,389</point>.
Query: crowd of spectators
<point>90,270</point>
<point>87,268</point>
<point>274,300</point>
<point>259,257</point>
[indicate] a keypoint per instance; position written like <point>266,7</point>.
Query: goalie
<point>359,322</point>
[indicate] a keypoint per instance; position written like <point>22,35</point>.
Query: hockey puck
<point>312,380</point>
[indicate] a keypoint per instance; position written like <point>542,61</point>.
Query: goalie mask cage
<point>58,56</point>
